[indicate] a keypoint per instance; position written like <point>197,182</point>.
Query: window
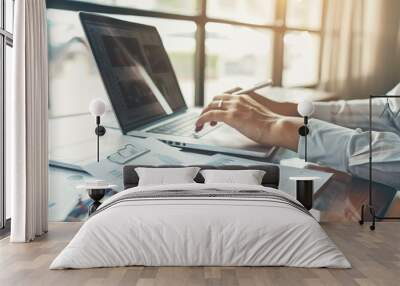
<point>213,45</point>
<point>6,42</point>
<point>302,43</point>
<point>230,60</point>
<point>189,7</point>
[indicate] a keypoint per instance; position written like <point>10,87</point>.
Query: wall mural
<point>132,66</point>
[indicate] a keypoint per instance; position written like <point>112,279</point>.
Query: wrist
<point>291,109</point>
<point>286,108</point>
<point>288,132</point>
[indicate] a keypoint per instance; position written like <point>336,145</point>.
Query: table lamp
<point>97,107</point>
<point>305,109</point>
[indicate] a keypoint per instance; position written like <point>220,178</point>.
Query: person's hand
<point>282,108</point>
<point>252,119</point>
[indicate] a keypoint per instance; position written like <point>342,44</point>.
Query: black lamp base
<point>304,193</point>
<point>96,195</point>
<point>303,131</point>
<point>372,212</point>
<point>100,130</point>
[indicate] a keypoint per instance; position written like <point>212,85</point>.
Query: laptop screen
<point>135,68</point>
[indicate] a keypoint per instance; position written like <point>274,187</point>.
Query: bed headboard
<point>271,177</point>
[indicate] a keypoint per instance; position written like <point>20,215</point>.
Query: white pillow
<point>164,176</point>
<point>248,177</point>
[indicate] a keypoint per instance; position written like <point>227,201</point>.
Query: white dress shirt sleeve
<point>347,150</point>
<point>355,113</point>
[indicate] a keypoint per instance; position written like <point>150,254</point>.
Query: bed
<point>198,224</point>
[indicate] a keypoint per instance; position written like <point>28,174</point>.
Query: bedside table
<point>305,190</point>
<point>96,191</point>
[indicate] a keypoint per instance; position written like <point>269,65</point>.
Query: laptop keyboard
<point>182,126</point>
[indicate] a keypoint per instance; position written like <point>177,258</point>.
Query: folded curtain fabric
<point>26,123</point>
<point>361,50</point>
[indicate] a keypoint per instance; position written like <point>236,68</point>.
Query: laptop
<point>144,91</point>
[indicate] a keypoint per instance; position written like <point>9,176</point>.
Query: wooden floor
<point>375,257</point>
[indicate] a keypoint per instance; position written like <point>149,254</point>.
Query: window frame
<point>6,39</point>
<point>201,19</point>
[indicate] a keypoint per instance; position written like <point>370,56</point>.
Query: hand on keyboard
<point>182,126</point>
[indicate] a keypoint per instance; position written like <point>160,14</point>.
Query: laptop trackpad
<point>228,137</point>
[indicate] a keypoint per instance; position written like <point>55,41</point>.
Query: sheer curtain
<point>26,123</point>
<point>361,47</point>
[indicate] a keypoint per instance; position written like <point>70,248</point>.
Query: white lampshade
<point>305,108</point>
<point>97,107</point>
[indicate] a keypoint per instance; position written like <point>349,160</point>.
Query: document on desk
<point>221,159</point>
<point>75,156</point>
<point>159,154</point>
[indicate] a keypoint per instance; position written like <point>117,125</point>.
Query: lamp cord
<point>98,139</point>
<point>305,139</point>
<point>98,136</point>
<point>305,145</point>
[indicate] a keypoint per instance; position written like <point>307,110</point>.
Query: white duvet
<point>200,231</point>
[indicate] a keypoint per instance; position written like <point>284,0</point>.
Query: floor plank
<point>375,257</point>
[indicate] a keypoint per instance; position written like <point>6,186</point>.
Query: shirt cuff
<point>326,110</point>
<point>327,144</point>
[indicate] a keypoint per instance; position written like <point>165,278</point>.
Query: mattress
<point>201,225</point>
